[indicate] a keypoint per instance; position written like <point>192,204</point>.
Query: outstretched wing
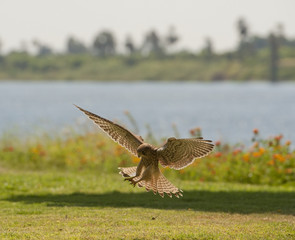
<point>179,153</point>
<point>118,133</point>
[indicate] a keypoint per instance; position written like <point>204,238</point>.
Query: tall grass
<point>267,161</point>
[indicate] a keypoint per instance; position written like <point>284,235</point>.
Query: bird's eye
<point>143,152</point>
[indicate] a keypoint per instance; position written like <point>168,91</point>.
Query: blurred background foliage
<point>266,161</point>
<point>255,57</point>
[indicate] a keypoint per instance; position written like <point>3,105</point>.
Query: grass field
<point>88,205</point>
<point>68,187</point>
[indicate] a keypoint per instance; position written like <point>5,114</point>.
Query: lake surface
<point>225,111</point>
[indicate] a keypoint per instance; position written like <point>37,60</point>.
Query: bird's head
<point>144,150</point>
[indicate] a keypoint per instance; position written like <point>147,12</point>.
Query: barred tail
<point>165,186</point>
<point>160,184</point>
<point>154,181</point>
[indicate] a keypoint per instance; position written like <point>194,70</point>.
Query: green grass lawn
<point>85,205</point>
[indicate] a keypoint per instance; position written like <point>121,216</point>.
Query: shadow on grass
<point>232,202</point>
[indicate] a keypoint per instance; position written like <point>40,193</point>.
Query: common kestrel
<point>175,153</point>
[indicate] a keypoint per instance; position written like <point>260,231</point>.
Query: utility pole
<point>274,57</point>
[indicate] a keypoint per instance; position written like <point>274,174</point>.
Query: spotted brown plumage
<point>179,153</point>
<point>175,153</point>
<point>118,133</point>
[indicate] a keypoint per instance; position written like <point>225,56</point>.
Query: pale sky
<point>52,21</point>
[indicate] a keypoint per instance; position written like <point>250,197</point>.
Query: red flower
<point>236,151</point>
<point>8,149</point>
<point>192,132</point>
<point>195,131</point>
<point>255,131</point>
<point>279,137</point>
<point>218,154</point>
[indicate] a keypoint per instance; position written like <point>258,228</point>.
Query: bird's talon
<point>131,181</point>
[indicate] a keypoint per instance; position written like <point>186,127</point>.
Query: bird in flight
<point>175,153</point>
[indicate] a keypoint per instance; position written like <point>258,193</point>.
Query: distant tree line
<point>250,47</point>
<point>105,44</point>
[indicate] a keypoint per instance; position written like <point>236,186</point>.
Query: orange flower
<point>255,131</point>
<point>289,170</point>
<point>257,154</point>
<point>279,157</point>
<point>288,143</point>
<point>217,143</point>
<point>261,150</point>
<point>246,157</point>
<point>271,162</point>
<point>35,150</point>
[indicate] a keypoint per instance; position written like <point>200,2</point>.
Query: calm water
<point>224,111</point>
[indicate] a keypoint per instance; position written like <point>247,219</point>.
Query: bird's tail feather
<point>158,183</point>
<point>162,185</point>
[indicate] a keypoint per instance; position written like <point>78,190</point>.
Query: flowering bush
<point>266,161</point>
